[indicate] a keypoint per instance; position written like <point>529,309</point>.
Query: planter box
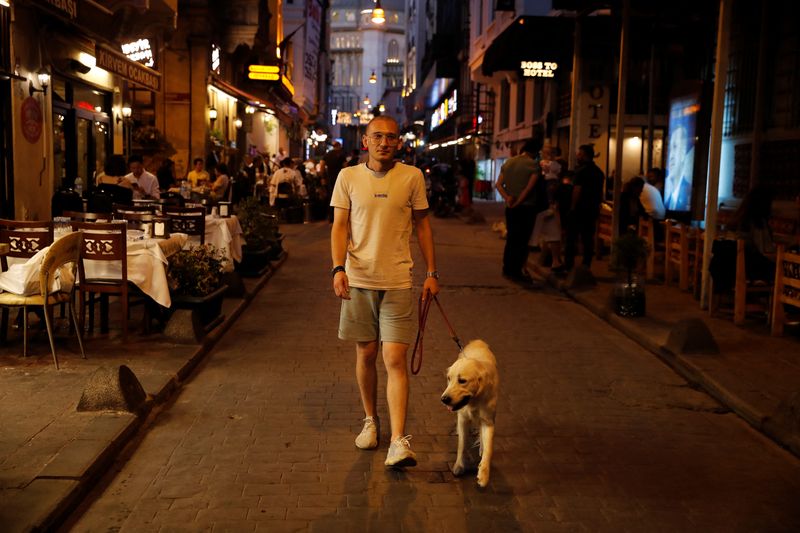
<point>194,317</point>
<point>255,263</point>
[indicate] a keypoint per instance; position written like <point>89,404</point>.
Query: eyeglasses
<point>378,138</point>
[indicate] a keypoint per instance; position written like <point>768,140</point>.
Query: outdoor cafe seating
<point>56,285</point>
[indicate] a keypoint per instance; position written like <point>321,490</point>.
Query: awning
<point>282,110</point>
<point>530,39</point>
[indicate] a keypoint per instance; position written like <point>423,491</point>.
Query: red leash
<point>423,306</point>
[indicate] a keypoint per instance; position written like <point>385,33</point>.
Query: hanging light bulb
<point>366,100</point>
<point>378,15</point>
<point>373,78</point>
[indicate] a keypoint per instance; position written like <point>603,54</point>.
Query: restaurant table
<point>225,234</point>
<point>146,261</point>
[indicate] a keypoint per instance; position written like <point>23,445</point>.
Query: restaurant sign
<point>64,7</point>
<point>117,63</point>
<point>538,69</point>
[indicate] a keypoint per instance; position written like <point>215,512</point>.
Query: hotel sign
<point>118,64</point>
<point>538,69</point>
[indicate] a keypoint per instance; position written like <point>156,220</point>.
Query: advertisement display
<point>683,116</point>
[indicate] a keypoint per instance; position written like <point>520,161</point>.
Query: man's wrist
<point>336,269</point>
<point>432,274</point>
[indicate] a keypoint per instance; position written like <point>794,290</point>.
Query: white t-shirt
<point>652,203</point>
<point>381,207</point>
<point>148,185</point>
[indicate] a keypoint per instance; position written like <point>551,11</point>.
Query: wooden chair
<point>65,251</point>
<point>105,243</point>
<point>647,231</point>
<point>192,224</point>
<point>24,239</point>
<point>193,210</point>
<point>76,216</point>
<point>696,267</point>
<point>120,209</point>
<point>742,288</point>
<point>136,221</point>
<point>787,287</point>
<point>679,252</point>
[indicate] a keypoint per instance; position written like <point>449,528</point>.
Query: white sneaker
<point>400,453</point>
<point>368,438</point>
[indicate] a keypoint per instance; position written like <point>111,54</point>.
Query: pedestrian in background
<point>330,166</point>
<point>143,183</point>
<point>197,176</point>
<point>518,177</point>
<point>374,206</point>
<point>547,229</point>
<point>587,195</point>
<point>166,174</point>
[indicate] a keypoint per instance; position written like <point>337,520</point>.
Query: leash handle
<point>423,307</point>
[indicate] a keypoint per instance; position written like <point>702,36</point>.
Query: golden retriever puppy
<point>472,386</point>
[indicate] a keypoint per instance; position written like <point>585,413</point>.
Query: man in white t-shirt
<point>144,184</point>
<point>374,205</point>
<point>652,202</point>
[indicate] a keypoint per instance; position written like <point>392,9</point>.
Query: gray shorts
<point>372,314</point>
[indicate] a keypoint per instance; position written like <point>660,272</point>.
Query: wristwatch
<point>434,274</point>
<point>338,268</point>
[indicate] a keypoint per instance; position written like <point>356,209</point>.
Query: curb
<point>681,364</point>
<point>70,488</point>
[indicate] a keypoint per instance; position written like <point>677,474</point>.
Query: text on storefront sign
<point>119,64</point>
<point>538,69</point>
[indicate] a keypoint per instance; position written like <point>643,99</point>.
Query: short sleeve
<point>419,196</point>
<point>341,197</point>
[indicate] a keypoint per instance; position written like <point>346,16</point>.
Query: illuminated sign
<point>264,72</point>
<point>269,73</point>
<point>140,52</point>
<point>116,63</point>
<point>538,69</point>
<point>444,110</point>
<point>215,53</point>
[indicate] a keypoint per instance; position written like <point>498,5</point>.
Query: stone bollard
<point>691,336</point>
<point>113,389</point>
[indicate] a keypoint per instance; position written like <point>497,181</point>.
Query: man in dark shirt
<point>518,177</point>
<point>587,195</point>
<point>332,164</point>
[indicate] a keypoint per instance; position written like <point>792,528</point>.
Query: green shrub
<point>196,272</point>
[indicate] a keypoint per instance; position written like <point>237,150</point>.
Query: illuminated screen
<point>680,153</point>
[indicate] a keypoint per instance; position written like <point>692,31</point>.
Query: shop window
<point>521,101</point>
<point>505,90</point>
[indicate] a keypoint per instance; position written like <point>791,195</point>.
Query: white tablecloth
<point>146,269</point>
<point>225,234</point>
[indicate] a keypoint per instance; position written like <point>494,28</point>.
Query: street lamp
<point>212,114</point>
<point>44,81</point>
<point>237,123</point>
<point>126,112</point>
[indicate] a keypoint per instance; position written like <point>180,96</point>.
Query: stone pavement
<point>754,374</point>
<point>594,433</point>
<point>50,454</point>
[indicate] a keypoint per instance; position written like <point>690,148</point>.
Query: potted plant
<point>628,253</point>
<point>262,238</point>
<point>195,279</point>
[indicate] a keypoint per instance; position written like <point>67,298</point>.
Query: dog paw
<point>458,469</point>
<point>483,476</point>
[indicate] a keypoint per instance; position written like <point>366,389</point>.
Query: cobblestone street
<point>594,433</point>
